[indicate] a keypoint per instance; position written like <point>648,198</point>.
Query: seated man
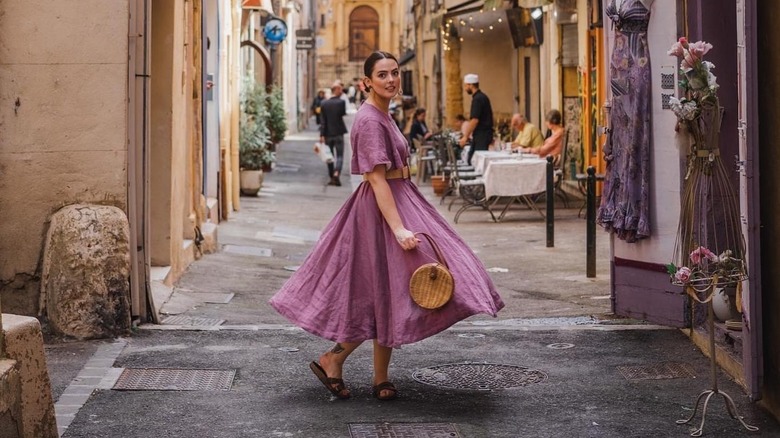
<point>528,135</point>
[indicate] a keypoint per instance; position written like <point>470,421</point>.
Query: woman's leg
<point>332,361</point>
<point>382,357</point>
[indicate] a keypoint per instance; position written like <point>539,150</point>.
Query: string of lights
<point>456,27</point>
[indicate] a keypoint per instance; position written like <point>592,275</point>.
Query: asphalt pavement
<point>554,363</point>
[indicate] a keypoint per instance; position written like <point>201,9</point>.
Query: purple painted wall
<point>647,294</point>
<point>715,21</point>
<point>768,68</point>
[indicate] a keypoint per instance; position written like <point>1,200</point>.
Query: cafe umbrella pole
<point>550,218</point>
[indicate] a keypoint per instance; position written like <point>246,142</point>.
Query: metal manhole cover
<point>167,379</point>
<point>478,376</point>
<point>658,371</point>
<point>560,346</point>
<point>190,321</point>
<point>403,430</point>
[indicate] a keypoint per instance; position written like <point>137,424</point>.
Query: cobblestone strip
<point>97,373</point>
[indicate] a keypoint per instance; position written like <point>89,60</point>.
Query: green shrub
<point>254,135</point>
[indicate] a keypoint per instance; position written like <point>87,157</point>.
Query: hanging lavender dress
<point>354,285</point>
<point>625,199</point>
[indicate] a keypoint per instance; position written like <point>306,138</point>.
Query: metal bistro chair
<point>426,163</point>
<point>457,172</point>
<point>471,191</point>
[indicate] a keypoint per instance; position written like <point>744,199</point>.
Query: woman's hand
<point>405,238</point>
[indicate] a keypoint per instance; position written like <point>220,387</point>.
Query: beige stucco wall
<point>491,57</point>
<point>63,103</point>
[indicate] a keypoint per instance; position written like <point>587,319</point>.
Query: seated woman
<point>419,128</point>
<point>553,145</point>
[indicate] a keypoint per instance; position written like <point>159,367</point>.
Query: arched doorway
<point>363,32</point>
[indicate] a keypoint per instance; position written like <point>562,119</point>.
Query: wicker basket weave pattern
<point>431,285</point>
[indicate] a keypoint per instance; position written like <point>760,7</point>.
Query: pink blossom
<point>701,253</point>
<point>683,42</point>
<point>676,50</point>
<point>689,60</point>
<point>683,274</point>
<point>699,49</point>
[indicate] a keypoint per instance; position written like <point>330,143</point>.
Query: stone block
<point>24,345</point>
<point>86,267</point>
<point>10,400</point>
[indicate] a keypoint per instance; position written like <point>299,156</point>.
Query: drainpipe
<point>137,160</point>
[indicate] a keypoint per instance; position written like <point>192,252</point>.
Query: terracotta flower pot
<point>439,183</point>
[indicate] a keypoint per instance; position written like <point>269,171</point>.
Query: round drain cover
<point>560,346</point>
<point>478,376</point>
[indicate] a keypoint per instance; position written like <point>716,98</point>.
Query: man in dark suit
<point>332,130</point>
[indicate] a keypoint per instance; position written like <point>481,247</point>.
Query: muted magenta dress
<point>354,285</point>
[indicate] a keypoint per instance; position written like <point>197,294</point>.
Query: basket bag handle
<point>435,247</point>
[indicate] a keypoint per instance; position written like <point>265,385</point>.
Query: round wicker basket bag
<point>431,285</point>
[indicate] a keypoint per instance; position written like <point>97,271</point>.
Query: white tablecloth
<point>481,159</point>
<point>513,177</point>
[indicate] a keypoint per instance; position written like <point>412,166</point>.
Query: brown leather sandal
<point>334,385</point>
<point>384,386</point>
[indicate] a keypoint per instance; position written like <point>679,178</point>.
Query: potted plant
<point>277,119</point>
<point>254,137</point>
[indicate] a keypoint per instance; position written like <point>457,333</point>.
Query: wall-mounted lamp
<point>536,13</point>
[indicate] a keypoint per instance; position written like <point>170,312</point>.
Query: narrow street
<point>571,368</point>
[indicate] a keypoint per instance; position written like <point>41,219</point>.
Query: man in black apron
<point>480,123</point>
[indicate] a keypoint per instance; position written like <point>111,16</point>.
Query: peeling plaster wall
<point>63,103</point>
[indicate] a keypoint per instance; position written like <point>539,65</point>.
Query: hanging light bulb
<point>471,29</point>
<point>500,20</point>
<point>491,27</point>
<point>461,39</point>
<point>482,31</point>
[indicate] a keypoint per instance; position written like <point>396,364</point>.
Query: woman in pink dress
<point>354,285</point>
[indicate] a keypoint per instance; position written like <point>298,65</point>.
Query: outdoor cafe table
<point>516,179</point>
<point>481,159</point>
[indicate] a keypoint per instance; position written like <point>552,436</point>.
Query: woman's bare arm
<point>386,203</point>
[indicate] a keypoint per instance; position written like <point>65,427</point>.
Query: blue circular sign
<point>275,30</point>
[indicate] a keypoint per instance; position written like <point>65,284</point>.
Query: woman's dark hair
<point>553,116</point>
<point>419,111</point>
<point>368,66</point>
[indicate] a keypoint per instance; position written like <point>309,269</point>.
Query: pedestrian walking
<point>332,130</point>
<point>354,285</point>
<point>316,106</point>
<point>480,123</point>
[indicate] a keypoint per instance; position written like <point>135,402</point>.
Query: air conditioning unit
<point>564,11</point>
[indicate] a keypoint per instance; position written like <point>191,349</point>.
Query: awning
<point>258,5</point>
<point>406,57</point>
<point>455,5</point>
